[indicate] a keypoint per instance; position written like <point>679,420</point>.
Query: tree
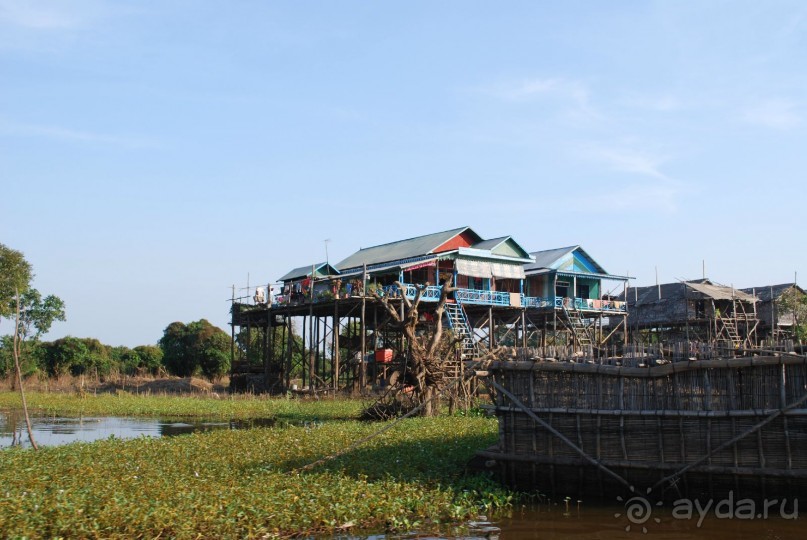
<point>792,302</point>
<point>430,350</point>
<point>66,355</point>
<point>176,358</point>
<point>15,277</point>
<point>150,358</point>
<point>37,315</point>
<point>198,347</point>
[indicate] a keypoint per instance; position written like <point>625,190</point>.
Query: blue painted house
<point>484,271</point>
<point>569,277</point>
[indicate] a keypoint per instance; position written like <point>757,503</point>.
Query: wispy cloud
<point>39,15</point>
<point>659,103</point>
<point>776,114</point>
<point>628,160</point>
<point>531,88</point>
<point>641,198</point>
<point>72,135</point>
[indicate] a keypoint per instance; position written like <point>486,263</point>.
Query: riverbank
<point>172,406</point>
<point>247,483</point>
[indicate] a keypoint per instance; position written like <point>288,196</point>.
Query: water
<point>607,522</point>
<point>54,431</point>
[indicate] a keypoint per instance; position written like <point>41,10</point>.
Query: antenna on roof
<point>703,264</point>
<point>327,240</point>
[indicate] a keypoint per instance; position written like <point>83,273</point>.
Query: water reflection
<point>602,522</point>
<point>54,431</point>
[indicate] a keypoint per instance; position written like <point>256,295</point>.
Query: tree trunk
<point>428,409</point>
<point>16,349</point>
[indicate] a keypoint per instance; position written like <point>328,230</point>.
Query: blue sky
<point>153,154</point>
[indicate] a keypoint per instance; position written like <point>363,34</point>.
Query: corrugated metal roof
<point>305,271</point>
<point>549,259</point>
<point>490,244</point>
<point>402,249</point>
<point>493,243</point>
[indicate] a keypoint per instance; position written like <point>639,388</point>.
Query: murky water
<point>611,522</point>
<point>54,431</point>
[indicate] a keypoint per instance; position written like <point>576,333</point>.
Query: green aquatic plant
<point>226,407</point>
<point>247,484</point>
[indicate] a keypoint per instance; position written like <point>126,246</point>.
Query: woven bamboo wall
<point>646,423</point>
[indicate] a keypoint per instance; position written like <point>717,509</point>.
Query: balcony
<point>487,298</point>
<point>432,293</point>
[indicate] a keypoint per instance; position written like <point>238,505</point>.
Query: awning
<point>474,268</point>
<point>418,265</point>
<point>507,271</point>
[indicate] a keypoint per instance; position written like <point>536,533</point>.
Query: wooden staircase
<point>578,326</point>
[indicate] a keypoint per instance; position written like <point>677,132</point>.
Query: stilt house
<point>693,310</point>
<point>775,322</point>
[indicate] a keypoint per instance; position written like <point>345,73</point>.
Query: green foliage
<point>227,484</point>
<point>198,347</point>
<point>174,345</point>
<point>242,407</point>
<point>76,356</point>
<point>793,303</point>
<point>31,354</point>
<point>15,276</point>
<point>38,314</point>
<point>150,358</point>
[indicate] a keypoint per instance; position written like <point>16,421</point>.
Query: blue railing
<point>430,294</point>
<point>489,298</point>
<point>473,296</point>
<point>536,302</point>
<point>587,304</point>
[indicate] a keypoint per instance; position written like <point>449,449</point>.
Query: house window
<point>583,292</point>
<point>562,288</point>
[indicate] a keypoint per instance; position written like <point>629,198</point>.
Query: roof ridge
<point>459,229</point>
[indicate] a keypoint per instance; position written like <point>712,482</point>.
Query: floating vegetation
<point>245,484</point>
<point>226,407</point>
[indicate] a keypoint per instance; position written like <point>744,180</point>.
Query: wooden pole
<point>336,325</point>
<point>363,365</point>
<point>289,352</point>
<point>302,355</point>
<point>232,332</point>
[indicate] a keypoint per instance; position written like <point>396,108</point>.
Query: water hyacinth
<point>226,407</point>
<point>247,483</point>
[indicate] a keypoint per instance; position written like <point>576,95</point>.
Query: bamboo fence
<point>682,428</point>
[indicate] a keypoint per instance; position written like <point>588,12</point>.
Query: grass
<point>239,407</point>
<point>245,484</point>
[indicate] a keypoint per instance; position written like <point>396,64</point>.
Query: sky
<point>154,154</point>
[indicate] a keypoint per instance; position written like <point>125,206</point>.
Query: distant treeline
<point>196,348</point>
